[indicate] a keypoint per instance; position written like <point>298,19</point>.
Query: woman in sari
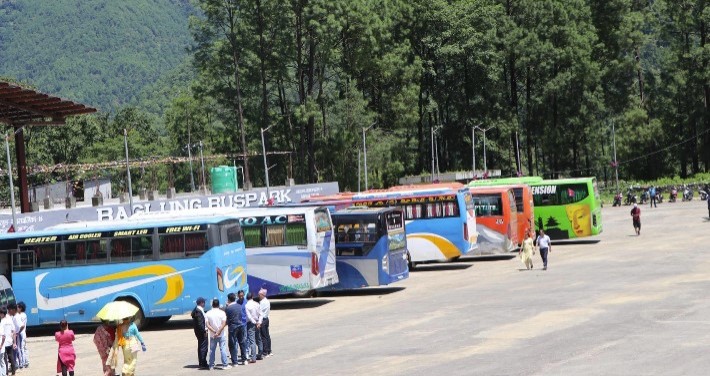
<point>104,337</point>
<point>129,340</point>
<point>66,357</point>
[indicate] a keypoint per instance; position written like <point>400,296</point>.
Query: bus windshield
<point>488,205</point>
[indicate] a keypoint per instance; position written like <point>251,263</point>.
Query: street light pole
<point>364,149</point>
<point>128,171</point>
<point>202,158</point>
<point>433,152</point>
<point>12,187</point>
<point>359,176</point>
<point>485,162</point>
<point>616,163</point>
<point>473,150</point>
<point>266,166</point>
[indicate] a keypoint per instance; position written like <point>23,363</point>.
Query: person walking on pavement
<point>200,327</point>
<point>527,251</point>
<point>636,218</point>
<point>543,243</point>
<point>265,306</point>
<point>652,193</point>
<point>66,357</point>
<point>253,311</point>
<point>216,325</point>
<point>234,321</point>
<point>708,199</point>
<point>104,337</point>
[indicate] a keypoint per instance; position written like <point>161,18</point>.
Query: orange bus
<point>525,207</point>
<point>496,220</point>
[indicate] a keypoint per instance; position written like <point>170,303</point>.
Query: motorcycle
<point>687,195</point>
<point>674,195</point>
<point>659,197</point>
<point>617,199</point>
<point>644,197</point>
<point>630,199</point>
<point>703,195</point>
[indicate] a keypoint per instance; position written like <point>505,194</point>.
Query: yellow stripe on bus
<point>447,248</point>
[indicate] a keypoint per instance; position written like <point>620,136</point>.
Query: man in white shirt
<point>543,242</point>
<point>265,306</point>
<point>3,337</point>
<point>23,358</point>
<point>216,321</point>
<point>253,324</point>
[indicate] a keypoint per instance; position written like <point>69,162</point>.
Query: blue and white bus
<point>289,249</point>
<point>71,271</point>
<point>371,247</point>
<point>440,218</point>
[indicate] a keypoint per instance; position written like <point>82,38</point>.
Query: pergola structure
<point>20,108</point>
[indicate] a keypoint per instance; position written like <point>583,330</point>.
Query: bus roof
<point>495,189</point>
<point>565,181</point>
<point>410,191</point>
<point>505,181</point>
<point>88,226</point>
<point>276,210</point>
<point>363,210</point>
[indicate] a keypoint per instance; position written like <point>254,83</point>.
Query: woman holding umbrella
<point>130,341</point>
<point>104,337</point>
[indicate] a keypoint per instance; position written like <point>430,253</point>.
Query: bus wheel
<point>410,264</point>
<point>159,320</point>
<point>139,318</point>
<point>306,294</point>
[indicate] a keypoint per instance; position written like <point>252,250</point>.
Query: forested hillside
<point>100,52</point>
<point>553,77</point>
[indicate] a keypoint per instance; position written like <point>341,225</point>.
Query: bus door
<point>323,269</point>
<point>395,260</point>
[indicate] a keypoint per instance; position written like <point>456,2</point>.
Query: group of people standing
<point>239,331</point>
<point>13,338</point>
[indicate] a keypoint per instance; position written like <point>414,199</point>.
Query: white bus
<point>289,249</point>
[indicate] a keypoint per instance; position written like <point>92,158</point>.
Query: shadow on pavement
<point>440,267</point>
<point>487,258</point>
<point>367,291</point>
<point>577,241</point>
<point>282,305</point>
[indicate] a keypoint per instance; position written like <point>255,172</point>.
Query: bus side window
<point>296,234</point>
<point>23,260</point>
<point>142,248</point>
<point>9,296</point>
<point>195,244</point>
<point>252,236</point>
<point>172,246</point>
<point>120,250</point>
<point>48,255</point>
<point>96,251</point>
<point>275,235</point>
<point>74,253</point>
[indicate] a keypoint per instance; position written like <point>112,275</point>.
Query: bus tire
<point>139,318</point>
<point>305,294</point>
<point>159,320</point>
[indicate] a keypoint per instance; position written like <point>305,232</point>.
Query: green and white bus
<point>567,208</point>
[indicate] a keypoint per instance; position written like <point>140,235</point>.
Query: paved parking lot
<point>625,305</point>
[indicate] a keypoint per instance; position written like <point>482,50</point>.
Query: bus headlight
<point>385,263</point>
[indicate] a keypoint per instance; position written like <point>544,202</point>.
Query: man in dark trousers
<point>636,218</point>
<point>200,327</point>
<point>242,329</point>
<point>234,321</point>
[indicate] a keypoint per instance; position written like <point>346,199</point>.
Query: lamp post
<point>484,130</point>
<point>128,171</point>
<point>266,167</point>
<point>433,132</point>
<point>616,163</point>
<point>473,150</point>
<point>9,176</point>
<point>202,159</point>
<point>359,176</point>
<point>364,149</point>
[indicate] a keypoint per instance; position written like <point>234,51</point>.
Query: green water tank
<point>224,179</point>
